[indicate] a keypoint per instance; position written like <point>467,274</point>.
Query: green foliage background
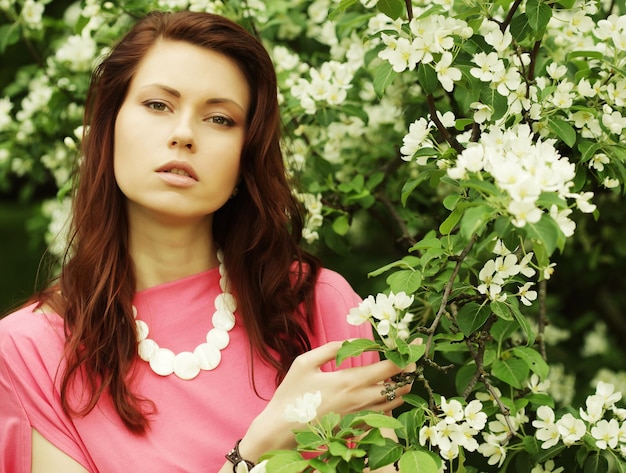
<point>365,225</point>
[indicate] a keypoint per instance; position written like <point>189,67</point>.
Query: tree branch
<point>507,21</point>
<point>452,141</point>
<point>409,9</point>
<point>447,291</point>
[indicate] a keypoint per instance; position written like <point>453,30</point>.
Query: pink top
<point>198,421</point>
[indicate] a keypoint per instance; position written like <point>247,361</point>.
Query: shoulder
<point>30,334</point>
<point>332,286</point>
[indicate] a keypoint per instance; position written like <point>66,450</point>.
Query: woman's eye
<point>157,106</point>
<point>220,120</point>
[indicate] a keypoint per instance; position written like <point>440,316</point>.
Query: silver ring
<point>391,395</point>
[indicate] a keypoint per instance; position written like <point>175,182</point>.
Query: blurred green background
<point>20,254</point>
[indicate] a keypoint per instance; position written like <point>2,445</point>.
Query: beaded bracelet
<point>235,458</point>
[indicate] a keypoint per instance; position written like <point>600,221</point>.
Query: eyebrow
<point>177,94</point>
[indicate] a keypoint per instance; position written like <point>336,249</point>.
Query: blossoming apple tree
<point>480,132</point>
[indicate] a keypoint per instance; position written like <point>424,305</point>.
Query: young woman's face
<point>180,131</point>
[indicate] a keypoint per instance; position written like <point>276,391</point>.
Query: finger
<point>320,355</point>
<point>376,372</point>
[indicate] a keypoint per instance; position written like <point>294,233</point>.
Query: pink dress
<point>198,421</point>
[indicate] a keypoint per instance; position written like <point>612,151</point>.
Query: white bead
<point>186,365</point>
<point>226,302</point>
<point>162,362</point>
<point>147,348</point>
<point>142,330</point>
<point>208,356</point>
<point>225,284</point>
<point>218,338</point>
<point>224,320</point>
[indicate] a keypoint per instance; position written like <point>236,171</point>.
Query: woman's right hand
<point>343,391</point>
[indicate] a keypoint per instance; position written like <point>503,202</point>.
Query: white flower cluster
<point>498,272</point>
<point>78,52</point>
<point>455,428</point>
<point>314,219</point>
<point>430,40</point>
<point>602,420</point>
<point>328,85</point>
<point>498,434</point>
<point>32,14</point>
<point>387,313</point>
<point>524,169</point>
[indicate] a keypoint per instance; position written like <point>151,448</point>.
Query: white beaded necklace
<point>206,356</point>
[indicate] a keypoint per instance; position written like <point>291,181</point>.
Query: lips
<point>179,168</point>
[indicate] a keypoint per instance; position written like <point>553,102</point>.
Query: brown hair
<point>258,230</point>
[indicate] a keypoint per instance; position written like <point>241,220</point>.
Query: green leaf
<point>406,280</point>
<point>584,54</point>
<point>308,440</point>
<point>418,461</point>
<point>450,222</point>
<point>484,187</point>
<point>620,464</point>
<point>392,8</point>
<point>512,371</point>
<point>523,323</point>
<point>381,421</point>
<point>501,309</point>
<point>533,359</point>
<point>427,78</point>
<point>520,28</point>
<point>596,463</point>
<point>538,13</point>
<point>475,220</point>
<point>286,462</point>
<point>352,348</point>
<point>540,399</point>
<point>387,454</point>
<point>463,376</point>
<point>423,176</point>
<point>9,34</point>
<point>341,225</point>
<point>406,262</point>
<point>383,76</point>
<point>563,130</point>
<point>338,449</point>
<point>471,317</point>
<point>428,242</point>
<point>502,329</point>
<point>343,6</point>
<point>450,201</point>
<point>546,231</point>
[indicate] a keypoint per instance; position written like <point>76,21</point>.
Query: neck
<point>167,253</point>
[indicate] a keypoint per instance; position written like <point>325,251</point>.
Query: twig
<point>478,356</point>
<point>505,24</point>
<point>543,319</point>
<point>447,291</point>
<point>505,410</point>
<point>409,9</point>
<point>452,141</point>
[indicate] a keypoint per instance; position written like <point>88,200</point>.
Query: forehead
<point>192,69</point>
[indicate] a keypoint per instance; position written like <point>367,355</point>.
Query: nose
<point>182,136</point>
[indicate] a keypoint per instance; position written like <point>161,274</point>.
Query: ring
<point>391,395</point>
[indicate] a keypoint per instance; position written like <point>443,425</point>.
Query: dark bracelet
<point>235,458</point>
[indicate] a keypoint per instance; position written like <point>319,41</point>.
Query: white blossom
<point>304,409</point>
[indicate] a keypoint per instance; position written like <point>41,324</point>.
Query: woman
<point>185,316</point>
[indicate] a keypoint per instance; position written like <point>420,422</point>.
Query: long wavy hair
<point>259,230</point>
